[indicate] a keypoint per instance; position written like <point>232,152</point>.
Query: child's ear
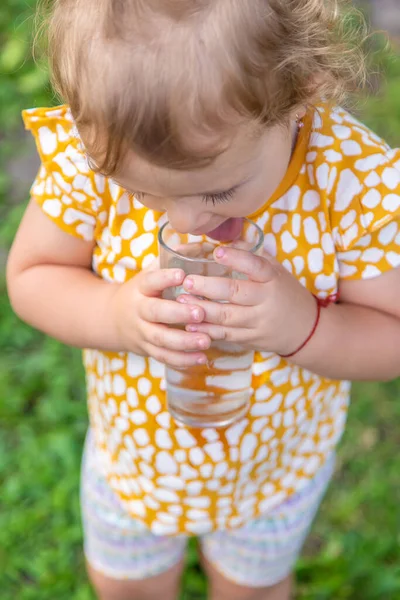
<point>298,113</point>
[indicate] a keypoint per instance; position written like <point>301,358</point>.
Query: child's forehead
<point>228,169</point>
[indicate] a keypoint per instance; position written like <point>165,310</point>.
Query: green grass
<point>354,548</point>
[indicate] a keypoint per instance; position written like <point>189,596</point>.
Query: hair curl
<point>160,76</point>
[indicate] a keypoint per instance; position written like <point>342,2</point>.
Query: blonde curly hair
<point>154,75</point>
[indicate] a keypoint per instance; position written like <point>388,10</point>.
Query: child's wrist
<point>306,339</point>
<point>319,305</point>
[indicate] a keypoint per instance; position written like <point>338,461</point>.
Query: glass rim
<point>253,250</point>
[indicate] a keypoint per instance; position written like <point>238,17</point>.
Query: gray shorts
<point>260,554</point>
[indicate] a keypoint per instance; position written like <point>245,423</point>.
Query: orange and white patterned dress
<point>335,216</point>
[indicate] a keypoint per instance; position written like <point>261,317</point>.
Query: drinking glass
<point>218,393</point>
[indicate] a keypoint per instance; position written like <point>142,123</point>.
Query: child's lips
<point>228,231</point>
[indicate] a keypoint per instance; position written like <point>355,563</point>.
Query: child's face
<point>236,184</point>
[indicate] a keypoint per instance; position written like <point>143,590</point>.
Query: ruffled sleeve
<point>66,189</point>
<point>365,216</point>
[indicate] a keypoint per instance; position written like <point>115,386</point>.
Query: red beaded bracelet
<point>321,302</point>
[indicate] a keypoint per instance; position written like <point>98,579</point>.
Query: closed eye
<point>219,197</point>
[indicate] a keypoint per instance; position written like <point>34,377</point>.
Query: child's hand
<point>270,312</point>
<point>142,317</point>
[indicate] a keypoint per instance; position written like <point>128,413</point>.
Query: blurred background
<point>354,549</point>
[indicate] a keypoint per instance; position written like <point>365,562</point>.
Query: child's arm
<point>52,287</point>
<point>358,338</point>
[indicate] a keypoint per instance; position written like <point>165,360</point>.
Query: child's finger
<point>176,339</point>
<point>219,313</point>
<point>261,269</point>
<point>181,360</point>
<point>235,291</point>
<point>153,282</point>
<point>157,310</point>
<point>235,335</point>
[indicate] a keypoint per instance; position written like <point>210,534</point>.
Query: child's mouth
<point>228,231</point>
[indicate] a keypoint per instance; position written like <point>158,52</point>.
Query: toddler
<point>203,112</point>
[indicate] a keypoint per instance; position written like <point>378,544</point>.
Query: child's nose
<point>184,221</point>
